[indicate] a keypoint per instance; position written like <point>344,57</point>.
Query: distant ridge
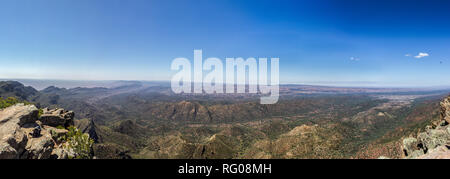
<point>16,89</point>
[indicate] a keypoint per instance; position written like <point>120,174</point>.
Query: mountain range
<point>146,120</point>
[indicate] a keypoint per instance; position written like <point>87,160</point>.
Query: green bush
<point>79,142</point>
<point>10,101</point>
<point>4,103</point>
<point>41,111</point>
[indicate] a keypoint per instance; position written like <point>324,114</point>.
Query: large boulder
<point>39,148</point>
<point>411,147</point>
<point>19,114</point>
<point>13,134</point>
<point>433,138</point>
<point>57,117</point>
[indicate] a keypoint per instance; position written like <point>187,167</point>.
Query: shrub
<point>79,142</point>
<point>41,111</point>
<point>10,101</point>
<point>4,103</point>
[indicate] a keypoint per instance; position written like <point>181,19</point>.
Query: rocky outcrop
<point>13,129</point>
<point>57,117</point>
<point>186,110</point>
<point>24,135</point>
<point>445,110</point>
<point>434,143</point>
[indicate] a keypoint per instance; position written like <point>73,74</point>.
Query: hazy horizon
<point>41,84</point>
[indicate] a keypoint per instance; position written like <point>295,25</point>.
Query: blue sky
<point>318,42</point>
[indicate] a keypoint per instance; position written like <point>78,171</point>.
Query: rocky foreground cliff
<point>29,133</point>
<point>434,143</point>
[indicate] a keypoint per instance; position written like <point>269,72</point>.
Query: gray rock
<point>445,110</point>
<point>7,152</point>
<point>36,131</point>
<point>40,148</point>
<point>435,141</point>
<point>63,153</point>
<point>13,138</point>
<point>410,145</point>
<point>57,117</point>
<point>416,153</point>
<point>425,142</point>
<point>57,134</point>
<point>433,138</point>
<point>18,123</point>
<point>19,114</point>
<point>441,152</point>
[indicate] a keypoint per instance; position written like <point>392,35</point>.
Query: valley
<point>146,120</point>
